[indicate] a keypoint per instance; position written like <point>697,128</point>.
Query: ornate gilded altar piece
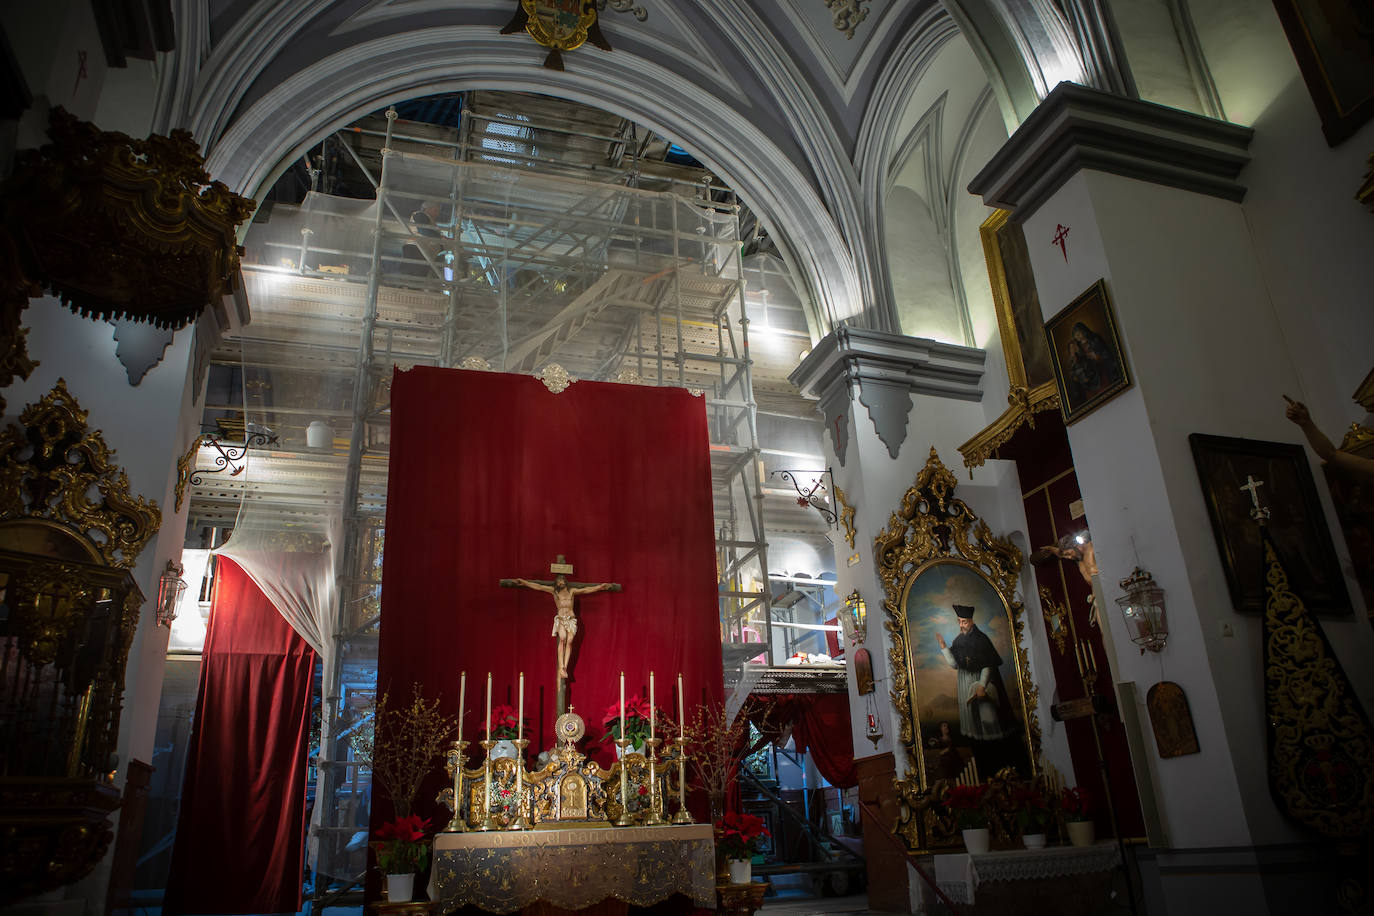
<point>943,573</point>
<point>569,790</point>
<point>70,531</point>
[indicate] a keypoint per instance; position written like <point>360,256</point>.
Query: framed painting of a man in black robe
<point>970,708</point>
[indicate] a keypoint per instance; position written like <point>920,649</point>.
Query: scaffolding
<point>478,262</point>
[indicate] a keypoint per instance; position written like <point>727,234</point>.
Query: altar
<point>1058,880</point>
<point>506,871</point>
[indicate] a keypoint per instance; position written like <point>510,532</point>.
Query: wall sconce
<point>854,620</point>
<point>1143,607</point>
<point>169,589</point>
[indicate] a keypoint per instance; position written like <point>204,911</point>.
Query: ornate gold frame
<point>932,527</point>
<point>1023,401</point>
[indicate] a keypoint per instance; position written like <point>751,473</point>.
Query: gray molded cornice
<point>1079,128</point>
<point>886,369</point>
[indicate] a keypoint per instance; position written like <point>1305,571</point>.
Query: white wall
<point>1208,355</point>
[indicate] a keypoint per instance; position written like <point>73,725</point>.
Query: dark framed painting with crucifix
<point>1238,473</point>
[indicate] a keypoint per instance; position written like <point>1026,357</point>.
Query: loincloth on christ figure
<point>564,625</point>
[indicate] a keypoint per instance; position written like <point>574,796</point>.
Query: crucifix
<point>564,620</point>
<point>1257,512</point>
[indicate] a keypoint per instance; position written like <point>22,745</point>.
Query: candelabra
<point>519,821</point>
<point>456,759</point>
<point>488,822</point>
<point>624,820</point>
<point>682,816</point>
<point>653,818</point>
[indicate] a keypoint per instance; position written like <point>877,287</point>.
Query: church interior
<point>944,430</point>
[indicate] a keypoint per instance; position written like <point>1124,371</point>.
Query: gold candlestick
<point>520,822</point>
<point>488,822</point>
<point>456,759</point>
<point>624,820</point>
<point>653,818</point>
<point>682,816</point>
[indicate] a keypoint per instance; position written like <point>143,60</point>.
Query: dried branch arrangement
<point>408,740</point>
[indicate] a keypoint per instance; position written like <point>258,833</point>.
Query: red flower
<point>740,834</point>
<point>966,798</point>
<point>1074,801</point>
<point>643,790</point>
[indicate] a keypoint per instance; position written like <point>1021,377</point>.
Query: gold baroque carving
<point>847,15</point>
<point>932,525</point>
<point>1321,750</point>
<point>123,228</point>
<point>1024,405</point>
<point>846,516</point>
<point>49,467</point>
<point>1056,619</point>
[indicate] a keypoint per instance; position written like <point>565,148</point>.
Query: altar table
<point>1056,879</point>
<point>504,871</point>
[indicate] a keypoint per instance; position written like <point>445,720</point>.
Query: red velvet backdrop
<point>241,832</point>
<point>820,726</point>
<point>491,477</point>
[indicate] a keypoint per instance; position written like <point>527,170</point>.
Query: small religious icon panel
<point>1171,720</point>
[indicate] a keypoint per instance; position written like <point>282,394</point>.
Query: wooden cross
<point>564,619</point>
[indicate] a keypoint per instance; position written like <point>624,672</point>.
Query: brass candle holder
<point>683,816</point>
<point>456,759</point>
<point>653,818</point>
<point>488,822</point>
<point>624,820</point>
<point>519,821</point>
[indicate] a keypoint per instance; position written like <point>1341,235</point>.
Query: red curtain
<point>241,832</point>
<point>820,727</point>
<point>491,477</point>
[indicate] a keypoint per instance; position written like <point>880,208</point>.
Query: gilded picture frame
<point>1089,362</point>
<point>1336,65</point>
<point>1031,386</point>
<point>935,547</point>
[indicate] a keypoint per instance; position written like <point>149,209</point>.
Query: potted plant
<point>407,741</point>
<point>1032,815</point>
<point>967,804</point>
<point>636,725</point>
<point>401,852</point>
<point>504,731</point>
<point>1073,801</point>
<point>740,835</point>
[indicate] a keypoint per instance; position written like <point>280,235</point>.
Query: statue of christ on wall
<point>563,591</point>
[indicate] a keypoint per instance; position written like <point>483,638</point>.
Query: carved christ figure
<point>564,619</point>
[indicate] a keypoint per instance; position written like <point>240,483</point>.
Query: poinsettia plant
<point>1032,809</point>
<point>504,723</point>
<point>740,835</point>
<point>400,846</point>
<point>1073,801</point>
<point>967,804</point>
<point>636,726</point>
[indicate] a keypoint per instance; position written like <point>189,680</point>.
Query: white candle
<point>651,706</point>
<point>681,719</point>
<point>622,704</point>
<point>462,698</point>
<point>488,705</point>
<point>520,717</point>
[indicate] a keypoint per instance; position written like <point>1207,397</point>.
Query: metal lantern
<point>170,587</point>
<point>854,620</point>
<point>1143,607</point>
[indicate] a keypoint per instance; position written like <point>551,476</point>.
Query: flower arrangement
<point>1073,801</point>
<point>1032,809</point>
<point>740,835</point>
<point>636,725</point>
<point>504,726</point>
<point>400,846</point>
<point>967,804</point>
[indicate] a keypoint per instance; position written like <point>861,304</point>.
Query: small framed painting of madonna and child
<point>1089,364</point>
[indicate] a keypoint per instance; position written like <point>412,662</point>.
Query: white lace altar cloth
<point>504,871</point>
<point>959,875</point>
